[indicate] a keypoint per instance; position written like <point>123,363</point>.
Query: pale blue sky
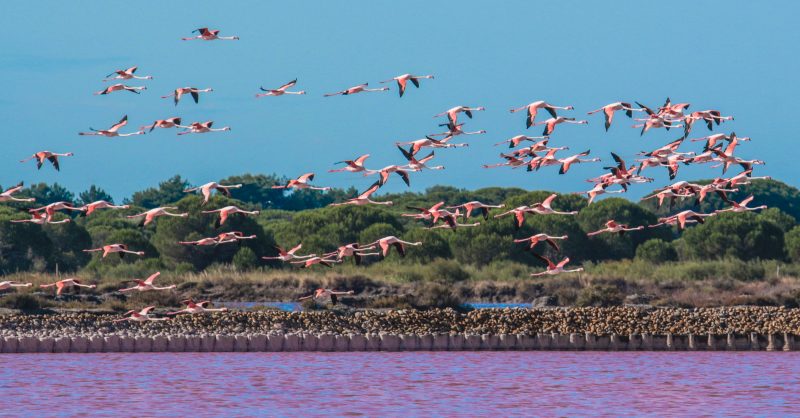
<point>739,57</point>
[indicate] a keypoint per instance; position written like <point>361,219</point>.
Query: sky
<point>736,56</point>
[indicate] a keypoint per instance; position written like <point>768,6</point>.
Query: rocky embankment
<point>567,328</point>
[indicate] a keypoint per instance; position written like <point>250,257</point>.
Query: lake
<point>402,384</point>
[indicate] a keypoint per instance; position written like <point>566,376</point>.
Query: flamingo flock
<point>533,152</point>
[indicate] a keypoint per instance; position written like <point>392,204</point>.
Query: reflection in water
<point>380,384</point>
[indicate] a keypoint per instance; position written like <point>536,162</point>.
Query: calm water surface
<point>401,384</point>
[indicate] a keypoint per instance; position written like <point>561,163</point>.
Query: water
<point>296,306</point>
<point>402,384</point>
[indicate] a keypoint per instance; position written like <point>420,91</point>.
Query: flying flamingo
<point>668,193</point>
<point>164,123</point>
<point>597,190</point>
<point>402,80</point>
<point>454,130</point>
<point>51,209</point>
<point>7,195</point>
<point>364,198</point>
<point>566,163</point>
<point>429,142</point>
<point>301,183</point>
<point>553,269</point>
<point>654,120</point>
<point>193,307</point>
<point>120,249</point>
<point>203,127</point>
<point>415,164</point>
<point>40,219</point>
<point>351,250</point>
<point>745,177</point>
<point>534,107</point>
<point>207,188</point>
<point>537,238</point>
<point>613,227</point>
<point>550,124</point>
<point>232,236</point>
<point>149,215</point>
<point>43,156</point>
<point>433,212</point>
<point>511,161</point>
<point>180,91</point>
<point>8,284</point>
<point>120,87</point>
<point>206,34</point>
<point>147,284</point>
<point>387,242</point>
<point>205,242</point>
<point>127,75</point>
<point>284,255</point>
<point>63,284</point>
<point>316,260</point>
<point>543,208</point>
<point>538,162</point>
<point>355,89</point>
<point>352,166</point>
<point>609,109</point>
<point>682,218</point>
<point>514,141</point>
<point>112,131</point>
<point>385,172</point>
<point>452,223</point>
<point>140,316</point>
<point>280,91</point>
<point>452,114</point>
<point>89,208</point>
<point>469,207</point>
<point>519,215</point>
<point>322,293</point>
<point>742,206</point>
<point>227,211</point>
<point>709,116</point>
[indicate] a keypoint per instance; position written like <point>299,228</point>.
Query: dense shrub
<point>656,251</point>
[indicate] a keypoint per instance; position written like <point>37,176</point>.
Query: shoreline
<point>620,328</point>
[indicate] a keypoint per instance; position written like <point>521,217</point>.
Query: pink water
<point>401,384</point>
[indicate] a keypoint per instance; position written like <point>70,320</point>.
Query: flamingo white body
<point>89,208</point>
<point>402,81</point>
<point>174,122</point>
<point>550,124</point>
<point>151,214</point>
<point>361,88</point>
<point>50,210</point>
<point>386,243</point>
<point>280,91</point>
<point>474,205</point>
<point>120,87</point>
<point>227,211</point>
<point>533,108</point>
<point>452,113</point>
<point>739,207</point>
<point>310,262</point>
<point>364,198</point>
<point>514,141</point>
<point>553,269</point>
<point>429,142</point>
<point>8,284</point>
<point>301,183</point>
<point>43,156</point>
<point>544,207</point>
<point>140,316</point>
<point>193,91</point>
<point>202,128</point>
<point>352,166</point>
<point>609,110</point>
<point>537,238</point>
<point>511,161</point>
<point>193,307</point>
<point>120,249</point>
<point>66,283</point>
<point>614,227</point>
<point>147,284</point>
<point>385,172</point>
<point>207,188</point>
<point>206,34</point>
<point>290,255</point>
<point>113,131</point>
<point>127,74</point>
<point>8,194</point>
<point>326,293</point>
<point>597,190</point>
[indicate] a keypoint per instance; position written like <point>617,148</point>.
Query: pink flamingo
<point>207,188</point>
<point>193,91</point>
<point>316,260</point>
<point>552,268</point>
<point>193,307</point>
<point>544,208</point>
<point>474,205</point>
<point>8,284</point>
<point>207,34</point>
<point>429,142</point>
<point>147,284</point>
<point>284,255</point>
<point>511,161</point>
<point>355,89</point>
<point>550,124</point>
<point>40,219</point>
<point>164,123</point>
<point>609,109</point>
<point>140,316</point>
<point>452,114</point>
<point>454,130</point>
<point>533,109</point>
<point>120,249</point>
<point>112,131</point>
<point>385,172</point>
<point>519,215</point>
<point>597,190</point>
<point>351,250</point>
<point>402,80</point>
<point>415,164</point>
<point>280,91</point>
<point>514,141</point>
<point>741,206</point>
<point>233,236</point>
<point>149,215</point>
<point>7,195</point>
<point>63,284</point>
<point>89,208</point>
<point>203,127</point>
<point>386,243</point>
<point>352,166</point>
<point>301,183</point>
<point>537,238</point>
<point>127,75</point>
<point>566,163</point>
<point>227,211</point>
<point>323,293</point>
<point>364,198</point>
<point>613,227</point>
<point>120,87</point>
<point>51,209</point>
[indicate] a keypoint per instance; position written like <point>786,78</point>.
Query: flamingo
<point>514,141</point>
<point>280,91</point>
<point>322,293</point>
<point>543,208</point>
<point>429,142</point>
<point>8,284</point>
<point>609,109</point>
<point>120,87</point>
<point>534,107</point>
<point>537,238</point>
<point>454,130</point>
<point>741,206</point>
<point>351,250</point>
<point>355,89</point>
<point>519,215</point>
<point>40,219</point>
<point>709,116</point>
<point>43,156</point>
<point>553,269</point>
<point>89,208</point>
<point>207,188</point>
<point>206,242</point>
<point>193,307</point>
<point>352,166</point>
<point>149,215</point>
<point>402,80</point>
<point>174,122</point>
<point>364,198</point>
<point>673,111</point>
<point>682,218</point>
<point>433,212</point>
<point>120,249</point>
<point>63,284</point>
<point>613,227</point>
<point>566,163</point>
<point>550,124</point>
<point>744,178</point>
<point>668,193</point>
<point>180,91</point>
<point>469,207</point>
<point>127,75</point>
<point>511,161</point>
<point>147,284</point>
<point>654,120</point>
<point>113,130</point>
<point>316,260</point>
<point>51,209</point>
<point>203,127</point>
<point>387,242</point>
<point>7,195</point>
<point>284,255</point>
<point>454,224</point>
<point>538,162</point>
<point>227,211</point>
<point>232,236</point>
<point>452,114</point>
<point>301,183</point>
<point>207,34</point>
<point>726,158</point>
<point>385,172</point>
<point>418,165</point>
<point>140,316</point>
<point>597,190</point>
